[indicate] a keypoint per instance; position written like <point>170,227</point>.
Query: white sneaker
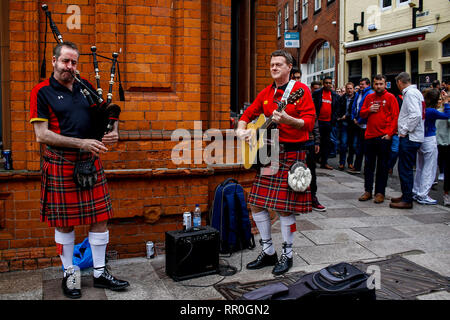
<point>426,200</point>
<point>441,177</point>
<point>414,197</point>
<point>447,200</point>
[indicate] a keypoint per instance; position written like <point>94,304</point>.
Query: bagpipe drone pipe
<point>104,113</point>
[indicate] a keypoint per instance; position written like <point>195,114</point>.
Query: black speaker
<point>191,254</point>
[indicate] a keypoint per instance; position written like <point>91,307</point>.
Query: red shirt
<point>302,109</point>
<point>325,109</point>
<point>385,120</point>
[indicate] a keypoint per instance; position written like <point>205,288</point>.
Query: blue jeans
<point>407,153</point>
<point>394,151</point>
<point>334,137</point>
<point>360,147</point>
<point>342,128</point>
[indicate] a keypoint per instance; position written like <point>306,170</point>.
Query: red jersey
<point>302,109</point>
<point>325,110</point>
<point>385,120</point>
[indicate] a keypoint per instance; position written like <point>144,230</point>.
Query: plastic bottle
<point>197,217</point>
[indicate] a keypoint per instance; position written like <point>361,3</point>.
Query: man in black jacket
<point>326,102</point>
<point>344,123</point>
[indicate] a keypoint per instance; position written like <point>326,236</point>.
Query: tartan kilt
<point>273,191</point>
<point>63,203</point>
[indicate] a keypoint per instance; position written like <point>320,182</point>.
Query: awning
<point>390,39</point>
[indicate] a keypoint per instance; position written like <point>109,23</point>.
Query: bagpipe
<point>104,113</point>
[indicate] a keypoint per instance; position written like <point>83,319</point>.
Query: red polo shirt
<point>325,109</point>
<point>385,120</point>
<point>301,109</point>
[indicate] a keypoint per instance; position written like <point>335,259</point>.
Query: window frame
<point>385,8</point>
<point>279,25</point>
<point>296,5</point>
<point>317,5</point>
<point>402,4</point>
<point>286,17</point>
<point>305,7</point>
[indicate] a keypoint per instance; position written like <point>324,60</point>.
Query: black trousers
<point>311,163</point>
<point>325,141</point>
<point>377,157</point>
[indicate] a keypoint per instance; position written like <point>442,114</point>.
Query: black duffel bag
<point>339,281</point>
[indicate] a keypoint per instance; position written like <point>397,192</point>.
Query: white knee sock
<point>67,241</point>
<point>288,227</point>
<point>98,242</point>
<point>262,221</point>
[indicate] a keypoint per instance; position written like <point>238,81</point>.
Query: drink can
<point>187,221</point>
<point>8,159</point>
<point>150,250</point>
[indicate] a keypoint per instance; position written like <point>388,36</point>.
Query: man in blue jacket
<point>361,124</point>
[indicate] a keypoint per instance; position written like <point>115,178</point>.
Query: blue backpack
<point>230,217</point>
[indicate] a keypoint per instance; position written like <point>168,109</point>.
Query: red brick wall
<point>175,69</point>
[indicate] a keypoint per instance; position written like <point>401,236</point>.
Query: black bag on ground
<point>340,281</point>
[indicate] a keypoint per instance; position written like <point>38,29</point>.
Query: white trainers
<point>426,200</point>
<point>447,200</point>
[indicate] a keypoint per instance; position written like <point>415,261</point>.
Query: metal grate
<point>401,279</point>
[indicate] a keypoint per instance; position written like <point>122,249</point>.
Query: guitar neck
<point>269,122</point>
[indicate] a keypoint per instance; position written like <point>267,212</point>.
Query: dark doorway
<point>243,62</point>
<point>355,71</point>
<point>392,65</point>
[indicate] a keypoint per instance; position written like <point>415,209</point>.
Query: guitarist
<point>272,192</point>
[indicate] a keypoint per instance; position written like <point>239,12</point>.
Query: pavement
<point>349,231</point>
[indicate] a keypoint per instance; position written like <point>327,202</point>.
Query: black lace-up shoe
<point>283,265</point>
<point>262,261</point>
<point>107,281</point>
<point>70,293</point>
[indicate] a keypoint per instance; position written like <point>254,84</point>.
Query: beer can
<point>8,159</point>
<point>187,223</point>
<point>150,250</point>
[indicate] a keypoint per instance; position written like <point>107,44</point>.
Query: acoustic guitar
<point>259,133</point>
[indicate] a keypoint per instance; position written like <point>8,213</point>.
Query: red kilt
<point>273,192</point>
<point>63,203</point>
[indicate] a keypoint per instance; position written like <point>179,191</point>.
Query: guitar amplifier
<point>191,254</point>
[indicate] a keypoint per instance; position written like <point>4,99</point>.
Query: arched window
<point>321,63</point>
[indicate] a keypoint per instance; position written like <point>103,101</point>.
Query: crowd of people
<point>366,124</point>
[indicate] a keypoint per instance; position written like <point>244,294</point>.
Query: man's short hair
<point>296,70</point>
<point>350,84</point>
<point>285,54</point>
<point>366,80</point>
<point>315,83</point>
<point>328,78</point>
<point>435,84</point>
<point>380,77</point>
<point>403,77</point>
<point>59,46</point>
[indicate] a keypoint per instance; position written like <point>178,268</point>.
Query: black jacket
<point>317,98</point>
<point>342,107</point>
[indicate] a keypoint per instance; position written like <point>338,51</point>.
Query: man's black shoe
<point>70,293</point>
<point>262,261</point>
<point>283,265</point>
<point>107,281</point>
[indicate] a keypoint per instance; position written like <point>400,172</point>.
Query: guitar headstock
<point>295,96</point>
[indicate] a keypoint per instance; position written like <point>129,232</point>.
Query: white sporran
<point>299,177</point>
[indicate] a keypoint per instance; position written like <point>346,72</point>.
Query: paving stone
<point>438,262</point>
<point>304,225</point>
<point>344,213</point>
<point>425,230</point>
<point>441,295</point>
<point>345,223</point>
<point>442,217</point>
<point>334,253</point>
<point>333,236</point>
<point>342,195</point>
<point>380,233</point>
<point>428,244</point>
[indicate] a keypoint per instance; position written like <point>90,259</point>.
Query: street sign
<point>292,40</point>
